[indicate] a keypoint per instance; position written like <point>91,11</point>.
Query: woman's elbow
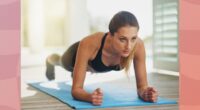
<point>73,93</point>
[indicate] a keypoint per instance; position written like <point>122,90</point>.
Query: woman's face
<point>124,40</point>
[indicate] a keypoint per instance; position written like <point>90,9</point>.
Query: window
<point>165,34</point>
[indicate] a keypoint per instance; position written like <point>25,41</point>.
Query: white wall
<point>36,25</point>
<point>77,20</point>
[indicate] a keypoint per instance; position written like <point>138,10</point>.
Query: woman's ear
<point>114,34</point>
<point>109,33</point>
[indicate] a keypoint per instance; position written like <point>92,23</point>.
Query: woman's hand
<point>97,97</point>
<point>148,94</point>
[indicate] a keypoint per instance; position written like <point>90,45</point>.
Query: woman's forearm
<point>81,94</point>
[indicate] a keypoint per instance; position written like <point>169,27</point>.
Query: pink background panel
<point>189,54</point>
<point>10,54</point>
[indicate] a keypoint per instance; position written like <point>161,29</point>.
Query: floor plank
<point>166,85</point>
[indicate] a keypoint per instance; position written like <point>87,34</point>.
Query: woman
<point>102,52</point>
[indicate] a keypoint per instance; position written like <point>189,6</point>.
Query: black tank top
<point>97,63</point>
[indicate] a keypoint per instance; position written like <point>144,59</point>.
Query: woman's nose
<point>128,46</point>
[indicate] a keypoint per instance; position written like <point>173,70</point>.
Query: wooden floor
<point>167,87</point>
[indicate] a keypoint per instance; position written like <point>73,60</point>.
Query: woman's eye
<point>132,40</point>
<point>122,40</point>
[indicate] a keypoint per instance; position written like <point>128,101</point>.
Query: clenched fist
<point>97,97</point>
<point>148,94</point>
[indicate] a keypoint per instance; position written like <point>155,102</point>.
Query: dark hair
<point>120,19</point>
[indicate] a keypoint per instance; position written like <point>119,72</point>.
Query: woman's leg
<point>67,61</point>
<point>69,57</point>
<point>52,61</point>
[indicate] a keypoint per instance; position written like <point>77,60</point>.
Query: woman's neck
<point>109,51</point>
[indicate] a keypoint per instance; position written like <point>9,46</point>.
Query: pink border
<point>189,54</point>
<point>9,54</point>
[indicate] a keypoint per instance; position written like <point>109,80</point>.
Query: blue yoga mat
<point>114,95</point>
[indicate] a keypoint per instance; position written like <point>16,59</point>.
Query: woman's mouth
<point>126,51</point>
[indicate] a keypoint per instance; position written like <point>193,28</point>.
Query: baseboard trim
<point>166,72</point>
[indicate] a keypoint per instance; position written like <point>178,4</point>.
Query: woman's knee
<point>54,59</point>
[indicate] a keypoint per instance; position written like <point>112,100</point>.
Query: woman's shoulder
<point>140,42</point>
<point>94,36</point>
<point>93,40</point>
<point>140,48</point>
<point>91,44</point>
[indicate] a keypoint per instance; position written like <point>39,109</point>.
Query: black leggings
<point>69,57</point>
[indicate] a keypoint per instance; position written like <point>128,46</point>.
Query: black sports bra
<point>97,63</point>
